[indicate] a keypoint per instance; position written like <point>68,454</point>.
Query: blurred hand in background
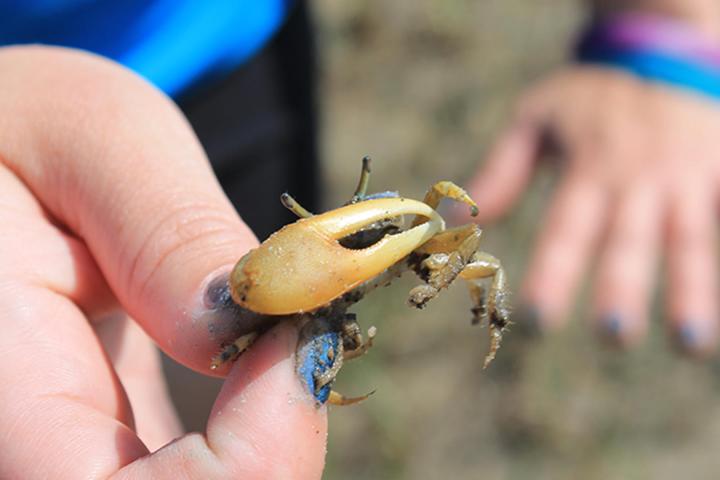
<point>640,177</point>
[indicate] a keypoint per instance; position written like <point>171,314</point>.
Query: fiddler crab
<point>313,270</point>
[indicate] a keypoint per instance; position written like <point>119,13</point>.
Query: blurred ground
<point>422,86</point>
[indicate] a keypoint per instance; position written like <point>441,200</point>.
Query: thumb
<point>264,424</point>
<point>113,161</point>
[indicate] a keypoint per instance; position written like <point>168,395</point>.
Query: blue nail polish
<point>316,355</point>
<point>687,336</point>
<point>611,326</point>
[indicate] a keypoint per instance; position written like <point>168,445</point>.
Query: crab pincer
<point>303,266</point>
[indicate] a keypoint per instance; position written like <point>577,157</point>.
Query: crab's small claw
<point>336,398</point>
<point>303,266</point>
<point>232,351</point>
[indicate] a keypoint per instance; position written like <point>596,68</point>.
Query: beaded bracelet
<point>654,48</point>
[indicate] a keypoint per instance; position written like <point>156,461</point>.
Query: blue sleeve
<point>175,44</point>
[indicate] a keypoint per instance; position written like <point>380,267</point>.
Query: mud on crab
<point>313,270</point>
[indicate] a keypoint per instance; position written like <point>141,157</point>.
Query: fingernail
<point>225,319</point>
<point>527,321</point>
<point>689,339</point>
<point>217,293</point>
<point>611,327</point>
<point>317,352</point>
<point>219,310</point>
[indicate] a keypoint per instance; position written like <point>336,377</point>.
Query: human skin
<point>640,178</point>
<point>108,205</point>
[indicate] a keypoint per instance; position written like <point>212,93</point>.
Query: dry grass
<point>423,86</point>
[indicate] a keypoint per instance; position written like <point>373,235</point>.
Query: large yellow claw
<point>303,267</point>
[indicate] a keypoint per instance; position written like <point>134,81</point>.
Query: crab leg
<point>448,254</point>
<point>455,253</point>
<point>232,351</point>
<point>326,377</point>
<point>494,304</point>
<point>336,398</point>
<point>447,189</point>
<point>364,346</point>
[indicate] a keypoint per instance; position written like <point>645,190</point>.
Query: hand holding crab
<point>124,216</point>
<point>313,270</point>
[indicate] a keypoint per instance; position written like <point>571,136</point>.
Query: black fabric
<point>259,127</point>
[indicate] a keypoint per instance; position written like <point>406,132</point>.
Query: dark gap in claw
<point>369,235</point>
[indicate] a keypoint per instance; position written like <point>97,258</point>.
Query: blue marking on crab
<point>314,360</point>
<point>386,194</point>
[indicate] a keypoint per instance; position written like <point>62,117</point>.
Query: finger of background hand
<point>497,186</point>
<point>113,160</point>
<point>569,232</point>
<point>692,269</point>
<point>509,164</point>
<point>626,270</point>
<point>263,425</point>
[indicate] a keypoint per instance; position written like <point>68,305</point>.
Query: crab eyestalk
<point>361,189</point>
<point>291,204</point>
<point>303,266</point>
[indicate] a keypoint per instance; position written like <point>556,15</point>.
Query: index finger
<point>114,161</point>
